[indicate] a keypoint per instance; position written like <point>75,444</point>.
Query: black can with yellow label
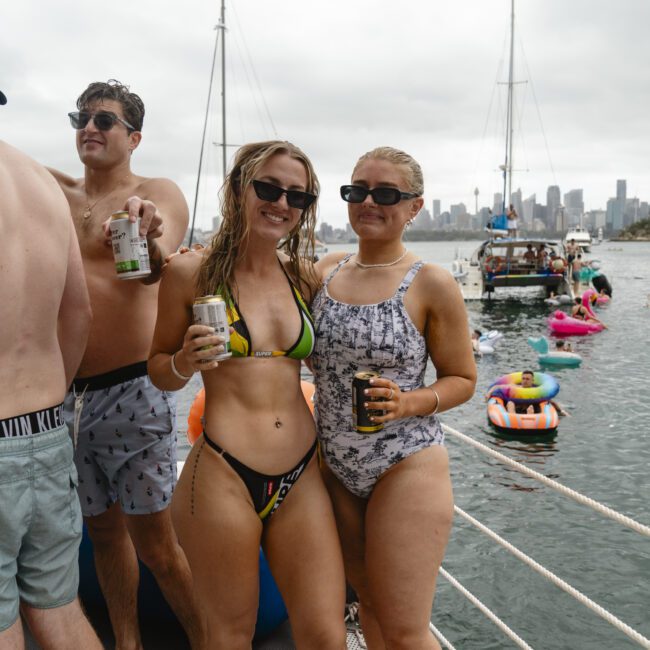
<point>360,414</point>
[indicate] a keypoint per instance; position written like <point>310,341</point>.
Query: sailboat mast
<point>507,170</point>
<point>205,126</point>
<point>222,26</point>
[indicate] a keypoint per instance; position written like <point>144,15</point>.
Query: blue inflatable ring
<point>154,610</point>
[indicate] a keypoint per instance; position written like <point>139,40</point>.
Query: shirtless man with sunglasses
<point>126,438</point>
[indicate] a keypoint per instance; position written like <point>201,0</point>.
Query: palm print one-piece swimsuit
<point>380,337</point>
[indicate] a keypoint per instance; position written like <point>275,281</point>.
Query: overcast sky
<point>338,78</point>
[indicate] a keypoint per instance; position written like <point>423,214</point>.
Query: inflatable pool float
<point>561,323</point>
<point>509,389</point>
<point>555,357</point>
<point>156,616</point>
<point>544,422</point>
<point>488,342</point>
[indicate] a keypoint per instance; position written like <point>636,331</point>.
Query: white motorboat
<point>581,237</point>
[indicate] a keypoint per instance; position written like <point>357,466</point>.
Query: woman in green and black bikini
<point>253,478</point>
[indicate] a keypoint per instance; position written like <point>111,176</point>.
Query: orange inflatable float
<point>194,419</point>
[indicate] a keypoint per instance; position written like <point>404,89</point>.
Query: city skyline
<point>554,215</point>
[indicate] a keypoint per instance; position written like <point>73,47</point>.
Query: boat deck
<point>159,635</point>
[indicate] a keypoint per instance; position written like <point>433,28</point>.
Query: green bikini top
<point>241,344</point>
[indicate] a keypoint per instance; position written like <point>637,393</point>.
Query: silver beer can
<point>130,250</point>
<point>211,311</point>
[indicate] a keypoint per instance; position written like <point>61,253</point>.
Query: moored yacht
<point>505,263</point>
<point>581,237</point>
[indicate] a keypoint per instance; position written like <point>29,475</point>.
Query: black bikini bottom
<point>267,491</point>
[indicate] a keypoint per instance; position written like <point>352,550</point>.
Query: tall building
<point>528,209</point>
<point>621,190</point>
<point>497,204</point>
<point>552,205</point>
<point>423,220</point>
<point>575,206</point>
<point>456,211</point>
<point>436,208</point>
<point>615,211</point>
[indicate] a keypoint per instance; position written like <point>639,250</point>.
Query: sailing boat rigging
<point>498,224</point>
<point>500,262</point>
<point>220,28</point>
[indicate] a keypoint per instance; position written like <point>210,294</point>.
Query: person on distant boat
<point>511,215</point>
<point>252,478</point>
<point>384,309</point>
<point>575,273</point>
<point>529,408</point>
<point>45,315</point>
<point>126,450</point>
<point>571,252</point>
<point>529,255</point>
<point>542,257</point>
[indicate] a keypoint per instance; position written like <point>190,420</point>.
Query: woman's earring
<point>409,223</point>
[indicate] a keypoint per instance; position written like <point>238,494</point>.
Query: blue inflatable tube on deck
<point>154,610</point>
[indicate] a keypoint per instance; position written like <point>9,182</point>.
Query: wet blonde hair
<point>412,169</point>
<point>217,271</point>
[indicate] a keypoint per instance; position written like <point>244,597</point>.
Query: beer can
<point>211,310</point>
<point>130,250</point>
<point>360,414</point>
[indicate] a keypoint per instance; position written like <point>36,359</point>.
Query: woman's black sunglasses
<point>270,192</point>
<point>380,195</point>
<point>103,120</point>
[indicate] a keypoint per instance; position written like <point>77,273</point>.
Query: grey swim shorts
<point>126,442</point>
<point>40,518</point>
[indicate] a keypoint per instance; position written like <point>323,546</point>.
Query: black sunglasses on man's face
<point>104,120</point>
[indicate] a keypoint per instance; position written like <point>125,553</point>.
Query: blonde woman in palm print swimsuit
<point>383,309</point>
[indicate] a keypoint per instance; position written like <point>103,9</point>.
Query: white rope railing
<point>486,610</point>
<point>441,637</point>
<point>565,586</point>
<point>576,496</point>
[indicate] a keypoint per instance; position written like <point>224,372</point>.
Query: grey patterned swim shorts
<point>126,443</point>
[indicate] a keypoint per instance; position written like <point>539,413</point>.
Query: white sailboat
<point>502,261</point>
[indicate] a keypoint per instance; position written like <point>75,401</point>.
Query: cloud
<point>340,78</point>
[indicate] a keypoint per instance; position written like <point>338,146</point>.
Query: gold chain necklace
<point>361,265</point>
<point>88,211</point>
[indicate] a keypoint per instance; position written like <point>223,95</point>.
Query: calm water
<point>602,451</point>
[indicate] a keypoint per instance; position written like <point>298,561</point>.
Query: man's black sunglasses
<point>103,120</point>
<point>380,195</point>
<point>270,192</point>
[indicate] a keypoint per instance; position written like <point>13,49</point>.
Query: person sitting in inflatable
<point>476,335</point>
<point>527,381</point>
<point>582,311</point>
